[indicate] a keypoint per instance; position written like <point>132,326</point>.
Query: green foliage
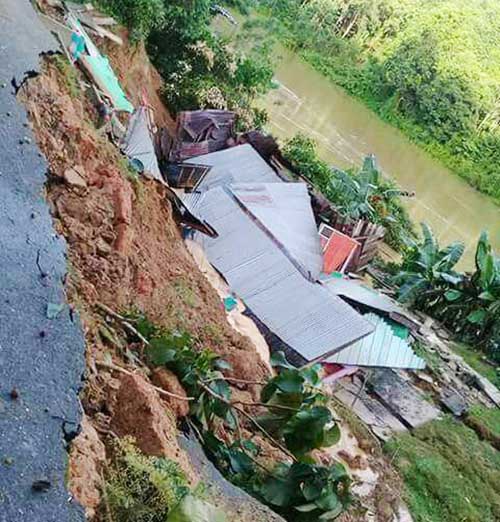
<point>200,70</point>
<point>297,417</point>
<point>307,424</point>
<point>139,16</point>
<point>468,304</point>
<point>488,417</point>
<point>365,194</point>
<point>69,75</point>
<point>427,271</point>
<point>300,491</point>
<point>431,68</point>
<point>140,488</point>
<point>475,359</point>
<point>449,473</point>
<point>193,509</point>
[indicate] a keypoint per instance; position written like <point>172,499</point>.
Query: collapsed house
<point>268,250</point>
<point>257,229</point>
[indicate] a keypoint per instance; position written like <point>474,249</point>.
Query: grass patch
<point>475,359</point>
<point>449,473</point>
<point>489,417</point>
<point>69,74</point>
<point>140,488</point>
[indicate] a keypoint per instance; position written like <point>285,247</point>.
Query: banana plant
<point>475,305</point>
<point>427,271</point>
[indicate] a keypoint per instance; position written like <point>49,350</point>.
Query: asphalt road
<point>41,359</point>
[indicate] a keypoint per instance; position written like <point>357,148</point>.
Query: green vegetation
<point>141,488</point>
<point>468,304</point>
<point>449,473</point>
<point>488,417</point>
<point>297,420</point>
<point>69,75</point>
<point>432,68</point>
<point>200,70</point>
<point>139,16</point>
<point>364,194</point>
<point>476,361</point>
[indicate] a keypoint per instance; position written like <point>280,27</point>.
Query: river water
<point>345,131</point>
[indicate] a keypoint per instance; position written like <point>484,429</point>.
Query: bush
<point>139,16</point>
<point>140,488</point>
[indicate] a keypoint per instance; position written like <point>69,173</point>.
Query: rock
<point>167,381</point>
<point>103,248</point>
<point>75,176</point>
<point>139,412</point>
<point>422,376</point>
<point>454,402</point>
<point>86,458</point>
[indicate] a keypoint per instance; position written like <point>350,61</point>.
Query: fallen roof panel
<point>382,349</point>
<point>356,292</point>
<point>138,144</point>
<point>304,315</point>
<point>284,211</point>
<point>241,164</point>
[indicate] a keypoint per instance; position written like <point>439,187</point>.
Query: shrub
<point>140,16</point>
<point>140,488</point>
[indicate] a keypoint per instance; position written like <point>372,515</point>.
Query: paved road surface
<point>41,358</point>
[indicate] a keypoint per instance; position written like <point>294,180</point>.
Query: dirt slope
<point>124,251</point>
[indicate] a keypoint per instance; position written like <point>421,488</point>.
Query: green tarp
<point>98,67</point>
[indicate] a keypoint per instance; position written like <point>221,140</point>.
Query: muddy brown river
<point>345,131</point>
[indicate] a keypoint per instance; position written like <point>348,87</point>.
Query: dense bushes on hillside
<point>199,69</point>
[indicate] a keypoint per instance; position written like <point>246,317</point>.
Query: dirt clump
<point>139,412</point>
<point>168,381</point>
<point>87,458</point>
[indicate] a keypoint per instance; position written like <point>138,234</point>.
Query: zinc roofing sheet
<point>303,314</point>
<point>240,164</point>
<point>284,211</point>
<point>359,293</point>
<point>138,144</point>
<point>382,349</point>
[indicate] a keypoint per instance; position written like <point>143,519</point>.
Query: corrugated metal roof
<point>363,295</point>
<point>284,211</point>
<point>138,144</point>
<point>305,315</point>
<point>241,164</point>
<point>381,349</point>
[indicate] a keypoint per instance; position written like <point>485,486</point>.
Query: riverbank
<point>345,131</point>
<point>471,153</point>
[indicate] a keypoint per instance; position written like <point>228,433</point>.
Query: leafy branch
<point>296,421</point>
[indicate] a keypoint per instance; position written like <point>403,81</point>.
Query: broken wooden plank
<point>104,20</point>
<point>103,33</point>
<point>404,400</point>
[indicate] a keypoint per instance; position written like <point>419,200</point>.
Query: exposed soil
<point>139,78</point>
<point>125,251</point>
